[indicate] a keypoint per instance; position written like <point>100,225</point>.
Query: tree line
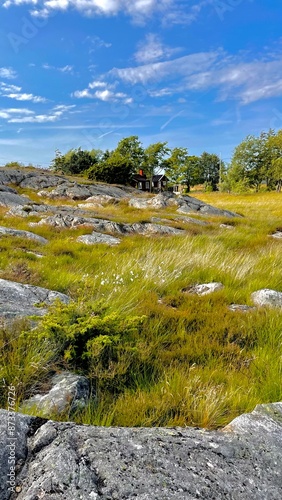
<point>121,164</point>
<point>256,160</point>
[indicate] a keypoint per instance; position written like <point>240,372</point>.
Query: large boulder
<point>69,392</point>
<point>267,297</point>
<point>62,461</point>
<point>18,300</point>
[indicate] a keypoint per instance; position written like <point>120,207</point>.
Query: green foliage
<point>94,341</point>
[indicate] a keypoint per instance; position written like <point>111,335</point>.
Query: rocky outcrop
<point>6,231</point>
<point>107,226</point>
<point>64,461</point>
<point>185,204</point>
<point>18,300</point>
<point>10,199</point>
<point>69,392</point>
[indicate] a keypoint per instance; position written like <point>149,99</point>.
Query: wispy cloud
<point>233,77</point>
<point>64,69</point>
<point>158,71</point>
<point>96,43</point>
<point>24,115</point>
<point>152,49</point>
<point>15,92</point>
<point>8,73</point>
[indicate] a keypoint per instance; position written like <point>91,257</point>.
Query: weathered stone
<point>30,209</point>
<point>267,297</point>
<point>186,204</point>
<point>241,308</point>
<point>8,199</point>
<point>5,231</point>
<point>64,461</point>
<point>69,392</point>
<point>204,289</point>
<point>18,300</point>
<point>94,238</point>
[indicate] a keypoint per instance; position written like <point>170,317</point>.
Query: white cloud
<point>25,97</point>
<point>8,73</point>
<point>24,115</point>
<point>134,8</point>
<point>158,71</point>
<point>152,49</point>
<point>5,87</point>
<point>105,92</point>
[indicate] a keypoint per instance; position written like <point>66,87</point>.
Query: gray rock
<point>30,209</point>
<point>204,289</point>
<point>267,297</point>
<point>8,199</point>
<point>241,308</point>
<point>64,461</point>
<point>18,300</point>
<point>186,204</point>
<point>107,226</point>
<point>69,392</point>
<point>23,234</point>
<point>94,238</point>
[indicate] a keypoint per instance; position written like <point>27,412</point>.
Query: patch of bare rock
<point>6,231</point>
<point>18,300</point>
<point>185,204</point>
<point>60,460</point>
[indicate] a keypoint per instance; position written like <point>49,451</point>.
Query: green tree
<point>155,159</point>
<point>175,165</point>
<point>192,173</point>
<point>132,149</point>
<point>209,169</point>
<point>252,160</point>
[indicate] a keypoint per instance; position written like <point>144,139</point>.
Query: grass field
<point>156,356</point>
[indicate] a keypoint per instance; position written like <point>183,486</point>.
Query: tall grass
<point>195,362</point>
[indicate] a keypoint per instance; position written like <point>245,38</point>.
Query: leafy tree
<point>114,168</point>
<point>209,169</point>
<point>155,158</point>
<point>175,165</point>
<point>252,160</point>
<point>192,173</point>
<point>131,148</point>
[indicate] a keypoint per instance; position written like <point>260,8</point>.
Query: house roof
<point>159,178</point>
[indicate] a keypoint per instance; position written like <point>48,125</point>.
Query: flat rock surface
<point>8,199</point>
<point>18,300</point>
<point>64,461</point>
<point>95,238</point>
<point>204,288</point>
<point>6,231</point>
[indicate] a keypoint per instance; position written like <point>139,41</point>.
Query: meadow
<point>155,355</point>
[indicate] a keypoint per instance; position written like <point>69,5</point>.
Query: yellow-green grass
<point>201,363</point>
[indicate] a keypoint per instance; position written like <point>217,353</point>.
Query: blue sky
<point>86,73</point>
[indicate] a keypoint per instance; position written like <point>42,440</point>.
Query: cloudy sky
<point>86,73</point>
